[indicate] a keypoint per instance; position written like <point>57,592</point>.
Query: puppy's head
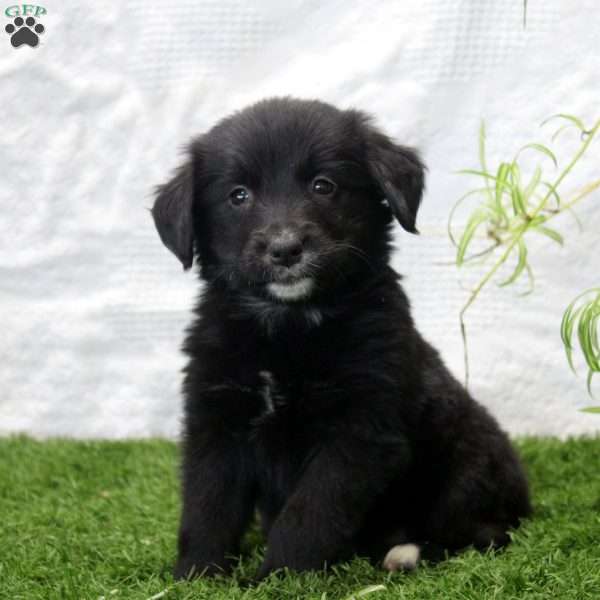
<point>289,199</point>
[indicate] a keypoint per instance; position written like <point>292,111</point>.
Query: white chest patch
<point>292,291</point>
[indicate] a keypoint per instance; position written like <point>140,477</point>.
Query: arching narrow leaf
<point>501,184</point>
<point>473,224</point>
<point>560,130</point>
<point>532,185</point>
<point>531,279</point>
<point>590,375</point>
<point>521,263</point>
<point>483,174</point>
<point>551,233</point>
<point>518,203</point>
<point>566,331</point>
<point>575,120</point>
<point>583,315</point>
<point>454,209</point>
<point>539,148</point>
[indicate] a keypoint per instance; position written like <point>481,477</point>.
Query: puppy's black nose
<point>285,249</point>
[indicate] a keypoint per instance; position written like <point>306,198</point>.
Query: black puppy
<point>308,393</point>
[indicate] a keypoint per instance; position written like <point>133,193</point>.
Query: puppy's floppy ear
<point>172,213</point>
<point>399,174</point>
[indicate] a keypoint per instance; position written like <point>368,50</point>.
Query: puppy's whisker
<point>338,247</point>
<point>313,267</point>
<point>356,251</point>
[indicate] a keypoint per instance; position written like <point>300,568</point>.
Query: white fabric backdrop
<point>93,306</point>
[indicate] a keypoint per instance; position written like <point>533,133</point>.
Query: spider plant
<point>511,207</point>
<point>582,321</point>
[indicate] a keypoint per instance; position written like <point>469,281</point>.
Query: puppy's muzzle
<point>286,249</point>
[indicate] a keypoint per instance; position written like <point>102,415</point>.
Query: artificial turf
<point>98,519</point>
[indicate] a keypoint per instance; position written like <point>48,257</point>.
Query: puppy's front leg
<point>217,504</point>
<point>320,520</point>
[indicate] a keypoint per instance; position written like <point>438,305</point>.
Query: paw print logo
<point>24,32</point>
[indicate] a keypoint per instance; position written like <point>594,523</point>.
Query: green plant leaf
<point>572,122</point>
<point>501,183</point>
<point>454,209</point>
<point>484,174</point>
<point>521,264</point>
<point>533,183</point>
<point>560,130</point>
<point>587,335</point>
<point>588,382</point>
<point>540,148</point>
<point>566,331</point>
<point>583,313</point>
<point>571,118</point>
<point>591,409</point>
<point>477,218</point>
<point>552,191</point>
<point>531,278</point>
<point>516,195</point>
<point>551,233</point>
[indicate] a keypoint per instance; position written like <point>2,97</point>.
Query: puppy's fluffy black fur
<point>309,394</point>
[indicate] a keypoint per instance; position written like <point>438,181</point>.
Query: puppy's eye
<point>323,186</point>
<point>239,196</point>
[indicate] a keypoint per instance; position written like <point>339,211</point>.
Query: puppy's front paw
<point>404,557</point>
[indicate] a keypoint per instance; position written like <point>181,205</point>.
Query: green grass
<point>93,519</point>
